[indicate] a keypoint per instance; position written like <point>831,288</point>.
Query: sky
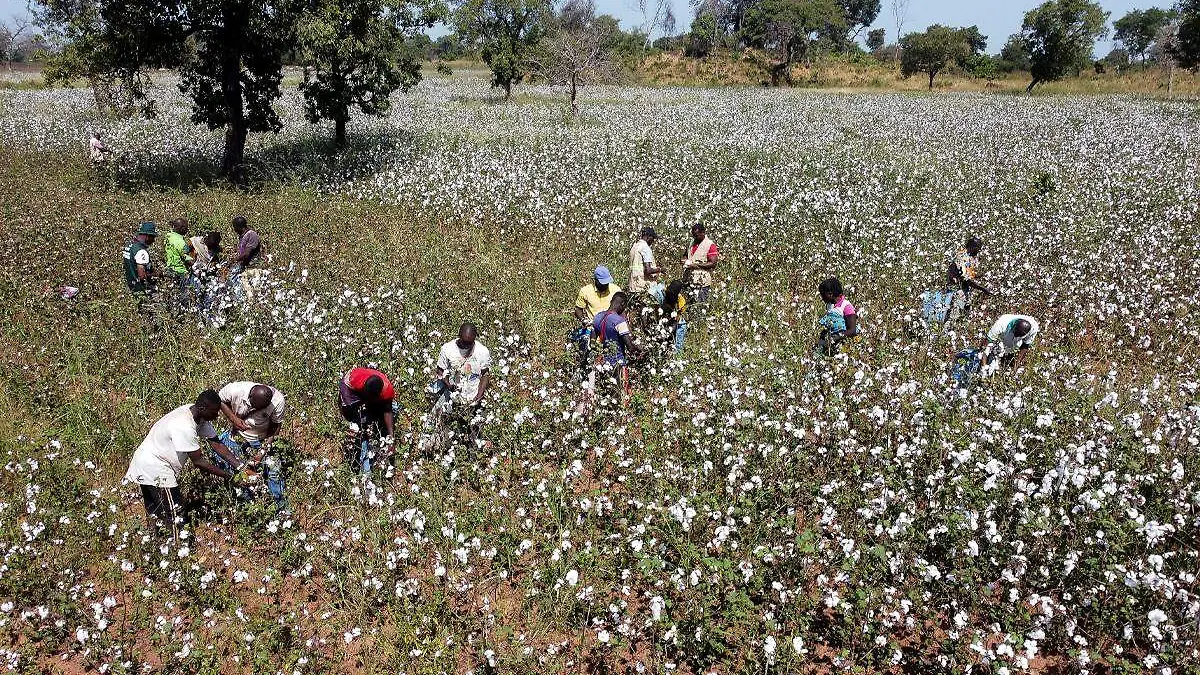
<point>996,19</point>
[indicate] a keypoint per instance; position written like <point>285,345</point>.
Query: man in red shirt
<point>701,260</point>
<point>365,398</point>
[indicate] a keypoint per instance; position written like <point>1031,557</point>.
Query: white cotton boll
<point>572,577</point>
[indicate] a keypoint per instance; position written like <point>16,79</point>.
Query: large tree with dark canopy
<point>930,52</point>
<point>1059,36</point>
<point>1138,29</point>
<point>356,53</point>
<point>506,32</point>
<point>786,28</point>
<point>1186,47</point>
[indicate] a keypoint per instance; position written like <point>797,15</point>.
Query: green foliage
<point>876,38</point>
<point>702,38</point>
<point>930,52</point>
<point>356,53</point>
<point>1117,58</point>
<point>1187,46</point>
<point>1059,36</point>
<point>1014,55</point>
<point>787,28</point>
<point>1138,29</point>
<point>506,32</point>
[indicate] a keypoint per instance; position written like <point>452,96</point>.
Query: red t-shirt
<point>357,378</point>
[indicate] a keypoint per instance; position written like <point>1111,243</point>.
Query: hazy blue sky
<point>997,19</point>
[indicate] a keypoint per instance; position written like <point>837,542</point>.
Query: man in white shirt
<point>158,461</point>
<point>643,270</point>
<point>1011,337</point>
<point>464,367</point>
<point>255,411</point>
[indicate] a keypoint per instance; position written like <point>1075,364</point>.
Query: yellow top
<point>591,300</point>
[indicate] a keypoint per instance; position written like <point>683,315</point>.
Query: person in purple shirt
<point>248,248</point>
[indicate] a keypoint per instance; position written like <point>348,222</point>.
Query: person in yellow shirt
<point>592,299</point>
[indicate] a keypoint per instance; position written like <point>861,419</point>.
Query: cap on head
<point>603,276</point>
<point>148,229</point>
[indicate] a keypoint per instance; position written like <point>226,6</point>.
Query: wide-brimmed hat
<point>148,229</point>
<point>603,275</point>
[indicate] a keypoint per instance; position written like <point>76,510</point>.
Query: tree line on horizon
<point>354,54</point>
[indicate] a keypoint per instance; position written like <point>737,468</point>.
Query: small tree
<point>506,31</point>
<point>876,38</point>
<point>1117,59</point>
<point>579,49</point>
<point>354,56</point>
<point>1138,29</point>
<point>701,39</point>
<point>787,28</point>
<point>930,52</point>
<point>11,32</point>
<point>1059,36</point>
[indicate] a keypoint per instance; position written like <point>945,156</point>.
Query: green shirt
<point>137,253</point>
<point>175,250</point>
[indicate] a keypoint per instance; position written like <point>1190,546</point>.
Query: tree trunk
<point>236,128</point>
<point>1033,83</point>
<point>574,93</point>
<point>339,132</point>
<point>932,73</point>
<point>1171,79</point>
<point>507,90</point>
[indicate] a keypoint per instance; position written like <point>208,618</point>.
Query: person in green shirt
<point>180,255</point>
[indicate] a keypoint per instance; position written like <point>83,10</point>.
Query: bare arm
<point>237,422</point>
<point>202,463</point>
<point>851,325</point>
<point>582,315</point>
<point>1021,358</point>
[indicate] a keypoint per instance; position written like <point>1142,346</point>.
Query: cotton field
<point>753,507</point>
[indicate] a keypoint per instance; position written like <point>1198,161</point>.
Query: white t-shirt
<point>639,256</point>
<point>464,371</point>
<point>237,396</point>
<point>1001,333</point>
<point>159,459</point>
<point>142,257</point>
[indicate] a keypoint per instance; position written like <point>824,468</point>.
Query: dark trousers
<point>163,505</point>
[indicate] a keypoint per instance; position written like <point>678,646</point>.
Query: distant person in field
<point>207,249</point>
<point>249,248</point>
<point>590,301</point>
<point>140,275</point>
<point>699,263</point>
<point>961,275</point>
<point>643,270</point>
<point>464,367</point>
<point>365,398</point>
<point>1010,339</point>
<point>674,314</point>
<point>616,339</point>
<point>174,439</point>
<point>97,150</point>
<point>255,411</point>
<point>840,321</point>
